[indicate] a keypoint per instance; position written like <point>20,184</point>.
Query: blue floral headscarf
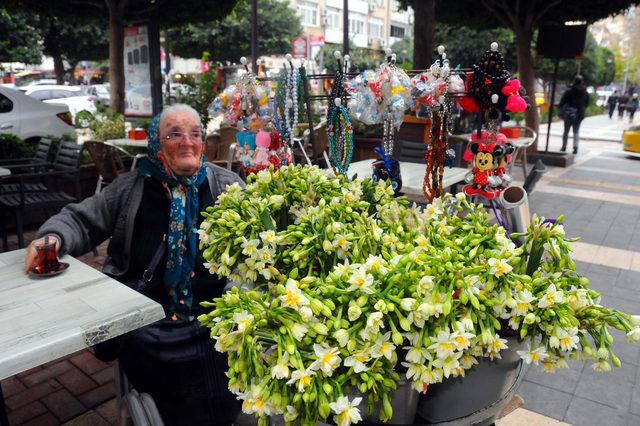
<point>182,237</point>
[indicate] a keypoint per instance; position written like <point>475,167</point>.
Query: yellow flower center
<point>566,340</point>
<point>326,359</point>
<point>384,347</point>
<point>259,403</point>
<point>292,298</point>
<point>305,380</point>
<point>446,345</point>
<point>245,323</point>
<point>460,340</point>
<point>360,357</point>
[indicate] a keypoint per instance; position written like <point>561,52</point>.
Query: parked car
<point>31,119</point>
<point>72,96</point>
<point>101,94</point>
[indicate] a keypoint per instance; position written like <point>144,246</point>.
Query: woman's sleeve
<point>85,225</point>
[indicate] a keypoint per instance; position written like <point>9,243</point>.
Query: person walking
<point>573,105</point>
<point>632,106</point>
<point>611,103</point>
<point>622,105</point>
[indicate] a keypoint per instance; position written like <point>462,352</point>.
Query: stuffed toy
<point>261,155</point>
<point>481,178</point>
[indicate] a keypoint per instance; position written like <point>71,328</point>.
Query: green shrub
<point>108,125</point>
<point>11,146</point>
<point>83,119</point>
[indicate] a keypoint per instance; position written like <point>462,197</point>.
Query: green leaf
<point>266,219</point>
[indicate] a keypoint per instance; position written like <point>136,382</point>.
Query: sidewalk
<point>594,128</point>
<point>600,197</point>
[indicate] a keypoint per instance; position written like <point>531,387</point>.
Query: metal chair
<point>522,143</point>
<point>40,159</point>
<point>141,407</point>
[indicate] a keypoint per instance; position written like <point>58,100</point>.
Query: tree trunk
<point>58,66</point>
<point>527,76</point>
<point>72,72</point>
<point>116,59</point>
<point>423,32</point>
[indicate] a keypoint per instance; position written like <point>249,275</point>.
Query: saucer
<point>63,267</point>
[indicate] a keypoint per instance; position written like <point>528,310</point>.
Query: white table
<point>412,175</point>
<point>138,143</point>
<point>42,319</point>
<point>4,172</point>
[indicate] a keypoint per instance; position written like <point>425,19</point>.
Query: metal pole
<point>345,27</point>
<point>254,35</point>
<point>553,98</point>
<point>153,30</point>
<point>167,65</point>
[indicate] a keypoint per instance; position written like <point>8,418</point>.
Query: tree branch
<point>501,15</point>
<point>149,9</point>
<point>544,10</point>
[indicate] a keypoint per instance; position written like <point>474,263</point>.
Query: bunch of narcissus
<point>305,218</point>
<point>428,303</point>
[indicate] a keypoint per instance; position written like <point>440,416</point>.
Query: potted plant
<point>514,132</point>
<point>358,296</point>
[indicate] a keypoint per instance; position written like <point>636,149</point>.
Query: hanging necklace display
<point>244,104</point>
<point>287,107</point>
<point>429,90</point>
<point>339,127</point>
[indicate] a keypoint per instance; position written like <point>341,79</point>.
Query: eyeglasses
<point>176,136</point>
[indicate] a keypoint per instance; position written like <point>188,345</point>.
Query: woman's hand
<point>31,259</point>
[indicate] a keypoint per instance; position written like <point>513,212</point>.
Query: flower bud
<point>407,304</point>
<point>603,353</point>
<point>305,313</point>
<point>530,318</point>
<point>354,312</point>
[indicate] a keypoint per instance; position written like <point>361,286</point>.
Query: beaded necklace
<point>287,102</point>
<point>339,127</point>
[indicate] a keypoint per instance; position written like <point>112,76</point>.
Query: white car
<point>72,96</point>
<point>31,119</point>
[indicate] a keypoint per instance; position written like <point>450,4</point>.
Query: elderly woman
<point>173,360</point>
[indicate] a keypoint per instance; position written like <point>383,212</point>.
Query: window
<point>308,13</point>
<point>397,31</point>
<point>375,27</point>
<point>333,18</point>
<point>41,95</point>
<point>59,94</point>
<point>377,3</point>
<point>5,104</point>
<point>356,23</point>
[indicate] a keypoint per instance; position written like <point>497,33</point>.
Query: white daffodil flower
<point>293,297</point>
<point>281,369</point>
<point>523,303</point>
<point>299,331</point>
<point>342,337</point>
<point>425,285</point>
<point>374,323</point>
<point>467,361</point>
<point>602,366</point>
<point>551,297</point>
<point>414,370</point>
<point>342,269</point>
<point>302,378</point>
<point>448,363</point>
<point>383,347</point>
<point>633,336</point>
<point>346,411</point>
<point>498,267</point>
<point>443,344</point>
<point>568,339</point>
<point>361,280</point>
<point>291,414</point>
<point>462,340</point>
<point>269,237</point>
<point>243,319</point>
<point>376,265</point>
<point>534,356</point>
<point>250,247</point>
<point>417,355</point>
<point>357,360</point>
<point>328,359</point>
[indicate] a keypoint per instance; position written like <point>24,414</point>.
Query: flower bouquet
<point>355,288</point>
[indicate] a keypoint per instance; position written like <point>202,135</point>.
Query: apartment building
<point>373,24</point>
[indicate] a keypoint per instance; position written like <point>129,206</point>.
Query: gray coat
<point>111,214</point>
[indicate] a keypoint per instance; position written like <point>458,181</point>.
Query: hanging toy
<point>481,178</point>
<point>261,155</point>
<point>503,178</point>
<point>387,168</point>
<point>515,102</point>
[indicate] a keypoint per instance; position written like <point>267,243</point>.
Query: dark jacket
<point>111,214</point>
<point>576,97</point>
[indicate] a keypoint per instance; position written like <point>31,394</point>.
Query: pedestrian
<point>150,212</point>
<point>632,106</point>
<point>573,105</point>
<point>622,105</point>
<point>611,102</point>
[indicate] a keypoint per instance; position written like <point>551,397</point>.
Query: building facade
<point>373,24</point>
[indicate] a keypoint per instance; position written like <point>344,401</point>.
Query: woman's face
<point>181,143</point>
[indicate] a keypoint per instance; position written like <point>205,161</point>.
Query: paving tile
<point>90,418</point>
<point>627,352</point>
<point>26,413</point>
<point>98,395</point>
<point>521,417</point>
<point>47,419</point>
<point>544,400</point>
<point>584,412</point>
<point>87,362</point>
<point>613,388</point>
<point>104,376</point>
<point>633,420</point>
<point>76,382</point>
<point>29,372</point>
<point>635,401</point>
<point>629,280</point>
<point>63,405</point>
<point>32,394</point>
<point>565,380</point>
<point>11,386</point>
<point>624,304</point>
<point>49,371</point>
<point>109,411</point>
